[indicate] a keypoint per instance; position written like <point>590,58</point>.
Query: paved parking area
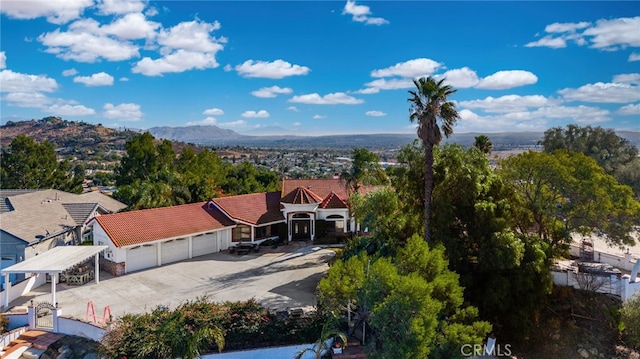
<point>278,278</point>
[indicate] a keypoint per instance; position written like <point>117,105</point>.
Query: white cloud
<point>507,79</point>
<point>634,57</point>
<point>131,26</point>
<point>209,121</point>
<point>318,117</point>
<point>26,99</point>
<point>603,93</point>
<point>254,114</point>
<point>360,13</point>
<point>119,7</point>
<point>548,41</point>
<point>296,124</point>
<point>633,78</point>
<point>192,36</point>
<point>615,33</point>
<point>508,103</point>
<point>412,68</point>
<point>566,27</point>
<point>368,91</point>
<point>330,99</point>
<point>56,11</point>
<point>270,92</point>
<point>375,113</point>
<point>152,11</point>
<point>630,109</point>
<point>537,120</point>
<point>80,44</point>
<point>123,79</point>
<point>98,79</point>
<point>238,123</point>
<point>69,72</point>
<point>387,84</point>
<point>178,61</point>
<point>17,82</point>
<point>186,46</point>
<point>228,67</point>
<point>606,34</point>
<point>460,78</point>
<point>213,112</point>
<point>272,70</point>
<point>123,111</point>
<point>3,60</point>
<point>70,110</point>
<point>293,108</point>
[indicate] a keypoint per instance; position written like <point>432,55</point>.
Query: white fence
<point>623,261</point>
<point>6,338</point>
<point>79,328</point>
<point>621,287</point>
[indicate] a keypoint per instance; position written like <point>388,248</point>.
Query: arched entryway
<point>44,315</point>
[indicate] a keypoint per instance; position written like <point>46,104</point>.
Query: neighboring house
<point>34,221</point>
<point>153,237</point>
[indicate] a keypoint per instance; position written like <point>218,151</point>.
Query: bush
<point>630,321</point>
<point>4,323</point>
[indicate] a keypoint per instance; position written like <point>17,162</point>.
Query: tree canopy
<point>152,175</point>
<point>31,165</point>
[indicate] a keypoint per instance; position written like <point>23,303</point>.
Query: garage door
<point>204,244</point>
<point>175,250</point>
<point>141,257</point>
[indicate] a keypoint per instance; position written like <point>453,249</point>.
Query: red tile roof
<point>301,195</point>
<point>255,208</point>
<point>321,187</point>
<point>135,227</point>
<point>333,201</point>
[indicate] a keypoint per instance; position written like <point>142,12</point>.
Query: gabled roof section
<point>147,225</point>
<point>321,187</point>
<point>301,195</point>
<point>255,208</point>
<point>38,215</point>
<point>80,212</point>
<point>333,201</point>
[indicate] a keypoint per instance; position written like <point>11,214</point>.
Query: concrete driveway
<point>277,278</point>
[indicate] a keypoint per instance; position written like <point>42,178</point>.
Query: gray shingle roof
<point>80,212</point>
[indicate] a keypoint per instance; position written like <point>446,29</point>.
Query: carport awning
<point>55,260</point>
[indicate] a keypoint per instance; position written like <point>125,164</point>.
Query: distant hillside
<point>194,134</point>
<point>69,137</point>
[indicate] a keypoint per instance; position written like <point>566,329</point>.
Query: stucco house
<point>153,237</point>
<point>34,221</point>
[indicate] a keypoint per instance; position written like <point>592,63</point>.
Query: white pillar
<point>31,316</point>
<point>96,272</point>
<point>55,314</point>
<point>7,286</point>
<point>190,247</point>
<point>54,280</point>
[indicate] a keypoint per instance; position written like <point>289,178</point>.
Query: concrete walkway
<point>277,278</point>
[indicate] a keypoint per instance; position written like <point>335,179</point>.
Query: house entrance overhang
<point>53,262</point>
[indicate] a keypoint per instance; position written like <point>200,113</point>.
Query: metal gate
<point>44,315</point>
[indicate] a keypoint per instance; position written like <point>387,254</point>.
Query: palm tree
<point>364,170</point>
<point>483,143</point>
<point>323,344</point>
<point>435,116</point>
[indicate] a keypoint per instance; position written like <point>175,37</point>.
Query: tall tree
<point>31,165</point>
<point>365,170</point>
<point>483,143</point>
<point>436,115</point>
<point>615,154</point>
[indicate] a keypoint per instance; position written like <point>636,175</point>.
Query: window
<point>241,233</point>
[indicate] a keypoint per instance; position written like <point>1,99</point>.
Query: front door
<point>301,230</point>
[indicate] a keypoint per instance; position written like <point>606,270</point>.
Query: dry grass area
<point>576,324</point>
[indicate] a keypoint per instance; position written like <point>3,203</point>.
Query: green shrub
<point>4,323</point>
<point>630,321</point>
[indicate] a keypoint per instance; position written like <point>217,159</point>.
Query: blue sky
<point>315,68</point>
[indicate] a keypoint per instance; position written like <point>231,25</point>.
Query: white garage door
<point>175,250</point>
<point>204,244</point>
<point>141,257</point>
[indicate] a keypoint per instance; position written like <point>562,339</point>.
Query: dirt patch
<point>576,324</point>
